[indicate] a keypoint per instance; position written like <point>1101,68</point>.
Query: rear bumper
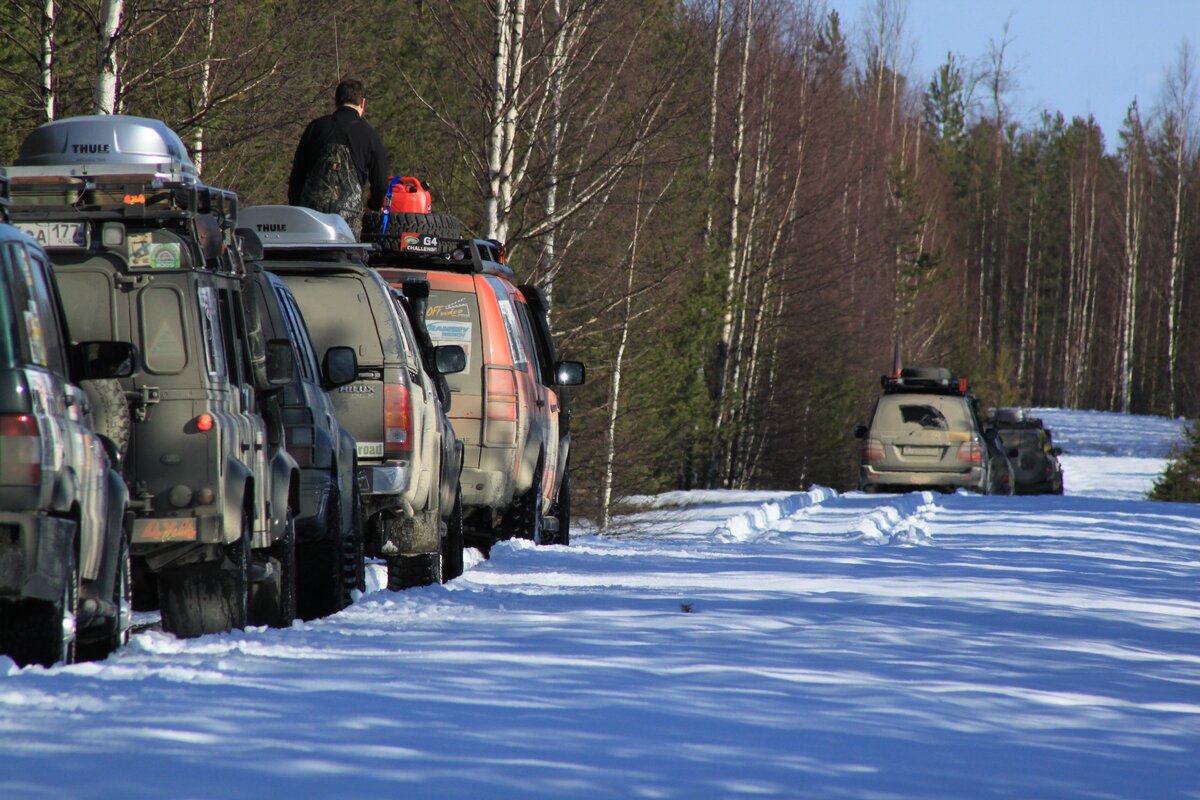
<point>870,478</point>
<point>384,479</point>
<point>34,556</point>
<point>484,488</point>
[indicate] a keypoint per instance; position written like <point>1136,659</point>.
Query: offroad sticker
<point>455,309</point>
<point>33,330</point>
<point>370,449</point>
<point>418,243</point>
<point>145,254</point>
<point>451,332</point>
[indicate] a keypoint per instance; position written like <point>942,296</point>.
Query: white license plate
<point>58,235</point>
<point>370,449</point>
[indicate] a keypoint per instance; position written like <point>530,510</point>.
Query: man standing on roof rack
<point>337,154</point>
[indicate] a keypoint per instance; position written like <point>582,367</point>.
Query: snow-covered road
<point>714,645</point>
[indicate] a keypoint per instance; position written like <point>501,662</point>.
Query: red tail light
<point>971,452</point>
<point>872,451</point>
<point>20,450</point>
<point>397,421</point>
<point>205,422</point>
<point>500,407</point>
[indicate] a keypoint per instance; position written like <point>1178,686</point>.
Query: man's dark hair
<point>349,92</point>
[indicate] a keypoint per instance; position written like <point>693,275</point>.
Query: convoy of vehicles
<point>248,403</point>
<point>926,433</point>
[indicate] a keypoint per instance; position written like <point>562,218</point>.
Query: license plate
<point>58,235</point>
<point>370,449</point>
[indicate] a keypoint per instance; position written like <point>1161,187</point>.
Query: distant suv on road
<point>925,433</point>
<point>386,408</point>
<point>507,408</point>
<point>145,253</point>
<point>1029,445</point>
<point>64,544</point>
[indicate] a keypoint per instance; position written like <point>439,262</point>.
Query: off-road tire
<point>320,579</point>
<point>444,226</point>
<point>40,631</point>
<point>406,572</point>
<point>110,411</point>
<point>273,601</point>
<point>524,517</point>
<point>99,648</point>
<point>562,510</point>
<point>208,597</point>
<point>354,559</point>
<point>453,542</point>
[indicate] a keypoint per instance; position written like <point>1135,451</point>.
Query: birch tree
<point>107,95</point>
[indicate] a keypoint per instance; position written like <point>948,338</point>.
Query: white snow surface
<point>711,645</point>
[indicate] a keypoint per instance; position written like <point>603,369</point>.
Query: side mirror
<point>115,458</point>
<point>449,359</point>
<point>281,363</point>
<point>101,360</point>
<point>249,245</point>
<point>339,367</point>
<point>569,373</point>
<point>1056,451</point>
<point>860,431</point>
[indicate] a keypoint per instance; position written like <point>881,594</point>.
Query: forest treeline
<point>740,209</point>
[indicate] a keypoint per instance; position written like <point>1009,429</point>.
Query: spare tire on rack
<point>444,226</point>
<point>110,411</point>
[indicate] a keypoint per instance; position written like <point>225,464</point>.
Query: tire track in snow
<point>903,521</point>
<point>759,522</point>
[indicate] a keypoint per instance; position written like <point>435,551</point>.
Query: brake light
<point>20,450</point>
<point>204,422</point>
<point>971,452</point>
<point>872,451</point>
<point>397,420</point>
<point>501,394</point>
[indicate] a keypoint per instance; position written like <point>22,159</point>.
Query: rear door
<point>922,432</point>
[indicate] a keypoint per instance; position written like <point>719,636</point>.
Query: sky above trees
<point>1073,56</point>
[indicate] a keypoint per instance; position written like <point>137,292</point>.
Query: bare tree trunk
<point>1133,256</point>
<point>48,17</point>
<point>210,27</point>
<point>107,89</point>
<point>1023,348</point>
<point>715,90</point>
<point>500,102</point>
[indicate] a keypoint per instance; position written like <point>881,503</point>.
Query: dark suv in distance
<point>1029,445</point>
<point>143,252</point>
<point>386,407</point>
<point>329,547</point>
<point>64,542</point>
<point>926,433</point>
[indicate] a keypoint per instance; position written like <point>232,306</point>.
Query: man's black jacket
<point>366,148</point>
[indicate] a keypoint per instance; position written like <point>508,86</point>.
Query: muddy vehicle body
<point>506,408</point>
<point>64,539</point>
<point>925,433</point>
<point>145,253</point>
<point>329,547</point>
<point>386,407</point>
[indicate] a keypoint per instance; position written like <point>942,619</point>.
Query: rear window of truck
<point>337,310</point>
<point>453,318</point>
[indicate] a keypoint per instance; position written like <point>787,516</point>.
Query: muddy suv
<point>329,547</point>
<point>925,433</point>
<point>506,407</point>
<point>1029,445</point>
<point>145,253</point>
<point>386,408</point>
<point>64,547</point>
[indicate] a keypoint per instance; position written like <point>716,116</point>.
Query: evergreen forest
<point>741,209</point>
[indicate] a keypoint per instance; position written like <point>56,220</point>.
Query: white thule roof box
<point>104,145</point>
<point>299,228</point>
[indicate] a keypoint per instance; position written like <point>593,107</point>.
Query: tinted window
<point>10,333</point>
<point>47,306</point>
<point>453,318</point>
<point>527,332</point>
<point>338,312</point>
<point>512,328</point>
<point>299,332</point>
<point>164,342</point>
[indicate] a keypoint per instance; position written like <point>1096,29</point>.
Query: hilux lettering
<point>358,388</point>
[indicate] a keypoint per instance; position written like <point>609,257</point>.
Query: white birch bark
<point>107,91</point>
<point>714,93</point>
<point>48,18</point>
<point>1181,89</point>
<point>210,27</point>
<point>500,99</point>
<point>1132,234</point>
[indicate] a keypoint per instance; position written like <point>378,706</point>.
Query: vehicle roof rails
<point>480,256</point>
<point>296,229</point>
<point>936,380</point>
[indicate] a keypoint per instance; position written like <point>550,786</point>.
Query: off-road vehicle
<point>329,546</point>
<point>387,408</point>
<point>64,544</point>
<point>925,433</point>
<point>506,409</point>
<point>1029,445</point>
<point>145,253</point>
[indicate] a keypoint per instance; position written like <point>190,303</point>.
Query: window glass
<point>338,312</point>
<point>47,307</point>
<point>905,413</point>
<point>527,331</point>
<point>299,334</point>
<point>10,335</point>
<point>164,341</point>
<point>453,318</point>
<point>512,328</point>
<point>214,350</point>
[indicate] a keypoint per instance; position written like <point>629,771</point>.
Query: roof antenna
<point>896,360</point>
<point>337,59</point>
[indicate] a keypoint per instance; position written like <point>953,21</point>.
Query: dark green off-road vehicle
<point>146,253</point>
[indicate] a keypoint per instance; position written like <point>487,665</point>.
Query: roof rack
<point>480,256</point>
<point>935,380</point>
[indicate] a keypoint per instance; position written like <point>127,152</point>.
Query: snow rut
<point>759,522</point>
<point>903,521</point>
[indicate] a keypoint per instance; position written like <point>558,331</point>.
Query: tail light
<point>20,450</point>
<point>970,452</point>
<point>500,407</point>
<point>397,421</point>
<point>872,451</point>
